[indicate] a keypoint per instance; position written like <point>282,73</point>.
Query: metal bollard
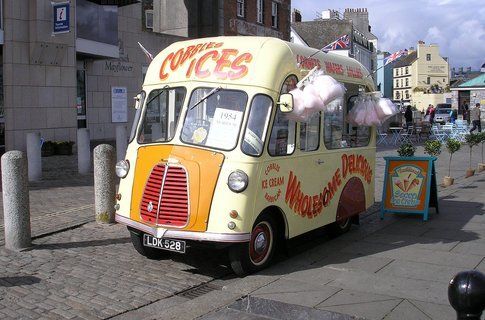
<point>466,293</point>
<point>104,183</point>
<point>16,201</point>
<point>34,156</point>
<point>121,142</point>
<point>83,151</point>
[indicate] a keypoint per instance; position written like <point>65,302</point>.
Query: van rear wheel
<point>256,254</point>
<point>340,227</point>
<point>150,253</point>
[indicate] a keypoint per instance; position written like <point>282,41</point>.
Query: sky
<point>457,26</point>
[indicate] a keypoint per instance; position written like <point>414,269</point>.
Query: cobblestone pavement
<point>93,272</point>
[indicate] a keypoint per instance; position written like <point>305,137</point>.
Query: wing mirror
<point>138,98</point>
<point>286,102</point>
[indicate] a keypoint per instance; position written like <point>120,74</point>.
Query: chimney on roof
<point>296,15</point>
<point>421,42</point>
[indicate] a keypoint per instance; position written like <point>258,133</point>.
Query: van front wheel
<point>256,254</point>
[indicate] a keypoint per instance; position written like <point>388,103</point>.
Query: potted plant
<point>432,147</point>
<point>452,145</point>
<point>406,150</point>
<point>481,166</point>
<point>472,140</point>
<point>48,148</point>
<point>64,148</point>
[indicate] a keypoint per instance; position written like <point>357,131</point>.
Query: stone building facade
<point>57,83</point>
<point>422,77</point>
<point>194,18</point>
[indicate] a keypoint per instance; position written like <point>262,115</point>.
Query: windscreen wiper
<point>206,96</point>
<point>156,96</point>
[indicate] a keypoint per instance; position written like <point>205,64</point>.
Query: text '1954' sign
<point>409,186</point>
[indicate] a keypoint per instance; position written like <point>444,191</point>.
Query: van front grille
<point>166,194</point>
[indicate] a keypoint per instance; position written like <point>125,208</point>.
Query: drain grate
<point>198,291</point>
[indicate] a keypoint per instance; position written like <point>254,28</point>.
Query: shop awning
<point>119,3</point>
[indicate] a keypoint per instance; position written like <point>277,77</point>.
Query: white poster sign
<point>119,104</point>
<point>224,128</point>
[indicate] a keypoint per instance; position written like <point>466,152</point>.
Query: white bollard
<point>16,201</point>
<point>83,151</point>
<point>121,142</point>
<point>104,183</point>
<point>34,156</point>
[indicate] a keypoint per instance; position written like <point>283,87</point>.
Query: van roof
<point>256,61</point>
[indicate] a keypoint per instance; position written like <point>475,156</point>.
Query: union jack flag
<point>396,55</point>
<point>341,43</point>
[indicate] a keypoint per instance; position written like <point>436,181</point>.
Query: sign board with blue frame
<point>409,186</point>
<point>61,14</point>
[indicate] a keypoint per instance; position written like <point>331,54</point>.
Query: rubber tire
<point>150,253</point>
<point>239,255</point>
<point>338,228</point>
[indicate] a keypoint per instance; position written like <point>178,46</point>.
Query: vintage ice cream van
<point>213,156</point>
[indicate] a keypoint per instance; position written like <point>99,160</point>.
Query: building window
<point>260,11</point>
<point>240,8</point>
<point>274,14</point>
<point>397,95</point>
<point>407,82</point>
<point>397,83</point>
<point>401,82</point>
<point>428,57</point>
<point>149,19</point>
<point>397,72</point>
<point>407,70</point>
<point>407,94</point>
<point>428,80</point>
<point>444,80</point>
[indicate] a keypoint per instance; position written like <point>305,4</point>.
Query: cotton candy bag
<point>329,89</point>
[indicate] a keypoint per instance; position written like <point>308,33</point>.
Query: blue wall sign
<point>61,17</point>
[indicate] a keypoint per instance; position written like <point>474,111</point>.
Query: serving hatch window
<point>161,114</point>
<point>214,118</point>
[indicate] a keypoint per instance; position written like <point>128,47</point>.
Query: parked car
<point>442,115</point>
<point>443,105</point>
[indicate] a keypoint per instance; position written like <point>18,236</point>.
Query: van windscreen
<point>214,120</point>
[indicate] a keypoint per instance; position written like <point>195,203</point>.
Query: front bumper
<point>159,232</point>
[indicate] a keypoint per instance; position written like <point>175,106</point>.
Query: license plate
<point>163,243</point>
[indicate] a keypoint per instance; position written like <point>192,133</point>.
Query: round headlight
<point>122,168</point>
<point>237,181</point>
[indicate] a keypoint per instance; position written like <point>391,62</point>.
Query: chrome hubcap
<point>260,242</point>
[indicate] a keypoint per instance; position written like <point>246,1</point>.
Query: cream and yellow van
<point>213,156</point>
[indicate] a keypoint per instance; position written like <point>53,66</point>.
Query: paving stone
<point>411,241</point>
<point>424,290</point>
<point>360,303</point>
<point>406,310</point>
<point>347,261</point>
<point>475,248</point>
<point>413,254</point>
<point>417,270</point>
<point>295,292</point>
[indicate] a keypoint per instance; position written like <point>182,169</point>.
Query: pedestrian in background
<point>408,115</point>
<point>431,114</point>
<point>464,110</point>
<point>453,114</point>
<point>475,118</point>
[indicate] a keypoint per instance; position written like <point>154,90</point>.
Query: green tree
<point>452,145</point>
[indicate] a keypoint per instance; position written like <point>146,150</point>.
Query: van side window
<point>257,125</point>
<point>333,118</point>
<point>357,136</point>
<point>310,133</point>
<point>161,115</point>
<point>282,140</point>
